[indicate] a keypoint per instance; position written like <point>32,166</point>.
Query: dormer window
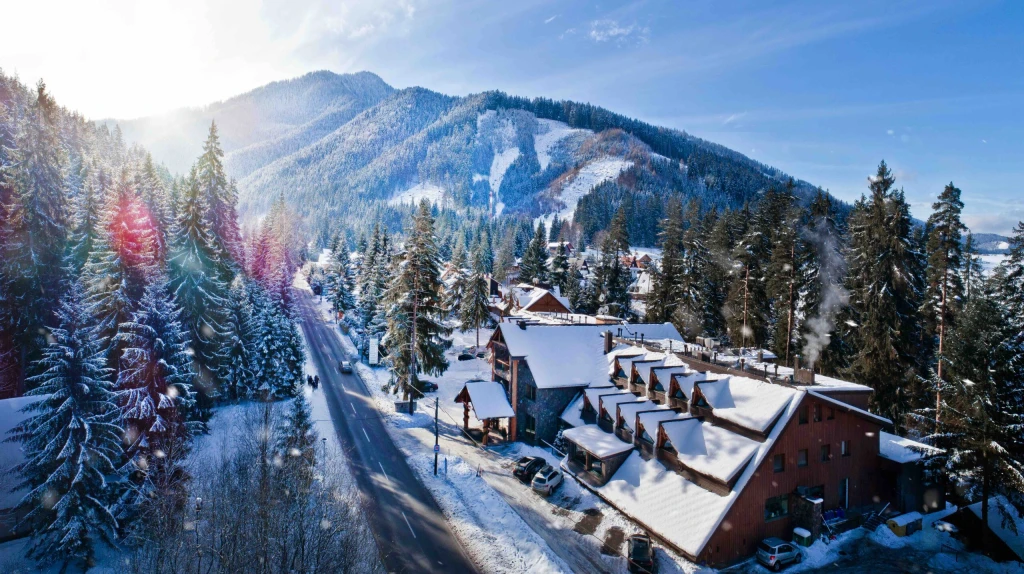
<point>658,387</point>
<point>700,402</point>
<point>646,437</point>
<point>667,445</point>
<point>679,394</point>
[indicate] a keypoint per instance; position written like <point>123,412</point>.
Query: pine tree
<point>505,258</point>
<point>154,196</point>
<point>982,405</point>
<point>296,445</point>
<point>747,301</point>
<point>198,289</point>
<point>784,283</point>
<point>533,267</point>
<point>617,241</point>
<point>123,262</point>
<point>972,274</point>
<point>71,443</point>
<point>559,276</point>
<point>88,224</point>
<point>416,334</point>
<point>944,288</point>
<point>222,199</point>
<point>885,295</point>
<point>1013,283</point>
<point>237,370</point>
<point>556,229</point>
<point>474,308</point>
<point>278,368</point>
<point>15,265</point>
<point>665,296</point>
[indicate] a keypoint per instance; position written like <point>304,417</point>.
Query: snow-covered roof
<point>567,355</point>
<point>650,331</point>
<point>489,400</point>
<point>594,394</point>
<point>650,420</point>
<point>608,402</point>
<point>688,379</point>
<point>746,402</point>
<point>662,499</point>
<point>850,408</point>
<point>644,369</point>
<point>627,362</point>
<point>595,441</point>
<point>573,413</point>
<point>628,411</point>
<point>996,506</point>
<point>902,449</point>
<point>905,519</point>
<point>10,452</point>
<point>708,449</point>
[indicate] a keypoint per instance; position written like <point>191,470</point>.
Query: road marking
<point>354,408</point>
<point>384,471</point>
<point>366,435</point>
<point>409,525</point>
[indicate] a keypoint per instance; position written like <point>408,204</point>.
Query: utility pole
<point>437,447</point>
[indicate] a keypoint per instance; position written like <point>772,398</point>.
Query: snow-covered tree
<point>71,442</point>
<point>559,275</point>
<point>417,336</point>
<point>296,445</point>
<point>222,198</point>
<point>278,351</point>
<point>474,308</point>
<point>534,266</point>
<point>240,329</point>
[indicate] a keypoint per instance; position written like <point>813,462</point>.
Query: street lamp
<point>199,548</point>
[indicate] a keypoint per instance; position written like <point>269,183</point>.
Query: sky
<point>821,90</point>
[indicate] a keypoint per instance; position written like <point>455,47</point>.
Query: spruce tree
<point>559,275</point>
<point>972,274</point>
<point>698,307</point>
<point>944,288</point>
<point>278,367</point>
<point>747,301</point>
<point>15,265</point>
<point>784,283</point>
<point>556,229</point>
<point>198,290</point>
<point>240,328</point>
<point>417,336</point>
<point>665,296</point>
<point>885,295</point>
<point>826,337</point>
<point>88,223</point>
<point>617,240</point>
<point>296,445</point>
<point>71,443</point>
<point>1013,283</point>
<point>474,308</point>
<point>222,199</point>
<point>533,267</point>
<point>982,405</point>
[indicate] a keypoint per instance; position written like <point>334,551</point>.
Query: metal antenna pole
<point>437,447</point>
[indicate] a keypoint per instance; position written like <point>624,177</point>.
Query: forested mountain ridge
<point>260,125</point>
<point>488,153</point>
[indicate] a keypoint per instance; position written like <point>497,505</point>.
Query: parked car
<point>528,466</point>
<point>465,356</point>
<point>640,553</point>
<point>428,386</point>
<point>776,553</point>
<point>345,367</point>
<point>547,480</point>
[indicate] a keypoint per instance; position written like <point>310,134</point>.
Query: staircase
<point>874,520</point>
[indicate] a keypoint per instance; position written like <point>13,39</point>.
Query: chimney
<point>607,342</point>
<point>796,363</point>
<point>760,356</point>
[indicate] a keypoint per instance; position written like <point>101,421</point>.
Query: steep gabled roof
<point>748,403</point>
<point>709,450</point>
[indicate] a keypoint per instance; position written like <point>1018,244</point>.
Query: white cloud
<point>551,19</point>
<point>984,141</point>
<point>890,132</point>
<point>610,30</point>
<point>733,117</point>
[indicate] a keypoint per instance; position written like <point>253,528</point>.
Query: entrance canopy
<point>488,400</point>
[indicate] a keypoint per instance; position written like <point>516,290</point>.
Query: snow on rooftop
<point>594,394</point>
<point>688,379</point>
<point>595,441</point>
<point>650,420</point>
<point>489,400</point>
<point>902,450</point>
<point>905,519</point>
<point>996,507</point>
<point>663,500</point>
<point>848,407</point>
<point>573,413</point>
<point>10,452</point>
<point>566,355</point>
<point>666,371</point>
<point>608,402</point>
<point>628,411</point>
<point>746,402</point>
<point>708,449</point>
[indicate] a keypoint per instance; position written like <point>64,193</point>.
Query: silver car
<point>775,553</point>
<point>546,480</point>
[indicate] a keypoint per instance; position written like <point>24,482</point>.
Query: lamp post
<point>437,446</point>
<point>199,548</point>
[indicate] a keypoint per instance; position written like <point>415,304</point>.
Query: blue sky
<point>822,90</point>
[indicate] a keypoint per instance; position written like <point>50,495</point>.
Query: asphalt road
<point>411,532</point>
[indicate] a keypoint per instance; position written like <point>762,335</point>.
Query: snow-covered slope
<point>432,193</point>
<point>590,175</point>
<point>549,133</point>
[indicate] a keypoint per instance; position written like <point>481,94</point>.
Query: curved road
<point>411,532</point>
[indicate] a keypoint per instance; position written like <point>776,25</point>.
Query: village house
<point>708,459</point>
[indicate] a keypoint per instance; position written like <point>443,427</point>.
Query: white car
<point>546,480</point>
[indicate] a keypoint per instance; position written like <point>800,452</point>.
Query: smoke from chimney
<point>832,272</point>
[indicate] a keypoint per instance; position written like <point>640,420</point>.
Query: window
<point>831,413</point>
<point>595,466</point>
<point>803,415</point>
<point>530,392</point>
<point>667,445</point>
<point>606,416</point>
<point>529,426</point>
<point>826,452</point>
<point>817,413</point>
<point>658,387</point>
<point>801,457</point>
<point>646,438</point>
<point>779,462</point>
<point>678,394</point>
<point>844,493</point>
<point>700,402</point>
<point>844,448</point>
<point>776,507</point>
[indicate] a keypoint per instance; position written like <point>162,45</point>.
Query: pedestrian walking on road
<point>309,380</point>
<point>316,381</point>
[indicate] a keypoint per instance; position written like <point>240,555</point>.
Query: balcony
<point>502,370</point>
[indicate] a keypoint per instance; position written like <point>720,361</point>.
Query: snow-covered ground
<point>991,261</point>
<point>590,175</point>
<point>432,193</point>
<point>550,132</point>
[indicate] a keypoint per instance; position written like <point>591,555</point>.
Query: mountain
<point>350,146</point>
<point>259,126</point>
<point>991,244</point>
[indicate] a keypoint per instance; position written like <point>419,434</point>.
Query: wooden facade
<point>855,474</point>
<point>548,303</point>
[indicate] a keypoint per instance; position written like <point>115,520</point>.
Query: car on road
<point>528,466</point>
<point>428,386</point>
<point>345,367</point>
<point>776,553</point>
<point>546,480</point>
<point>640,553</point>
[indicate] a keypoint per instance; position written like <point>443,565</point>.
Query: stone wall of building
<point>546,408</point>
